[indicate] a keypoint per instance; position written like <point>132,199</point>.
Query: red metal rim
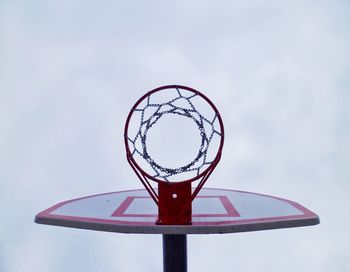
<point>132,161</point>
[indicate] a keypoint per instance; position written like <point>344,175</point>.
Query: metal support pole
<point>174,253</point>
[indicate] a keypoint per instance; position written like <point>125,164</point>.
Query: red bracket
<point>173,208</point>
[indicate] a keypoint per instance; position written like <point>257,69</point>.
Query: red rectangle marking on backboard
<point>121,211</point>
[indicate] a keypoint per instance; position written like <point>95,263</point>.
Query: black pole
<point>174,253</point>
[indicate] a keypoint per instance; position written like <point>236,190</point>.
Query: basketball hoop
<point>158,135</point>
<point>174,137</point>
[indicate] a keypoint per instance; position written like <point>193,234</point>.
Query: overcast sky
<point>278,71</point>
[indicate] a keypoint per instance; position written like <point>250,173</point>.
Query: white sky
<point>278,71</point>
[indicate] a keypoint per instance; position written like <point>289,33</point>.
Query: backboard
<point>214,211</point>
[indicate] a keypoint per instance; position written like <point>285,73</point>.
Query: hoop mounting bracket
<point>173,208</point>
